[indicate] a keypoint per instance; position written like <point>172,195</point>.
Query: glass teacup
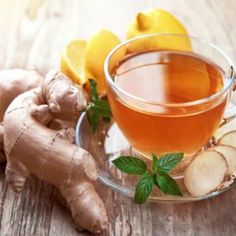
<point>168,93</point>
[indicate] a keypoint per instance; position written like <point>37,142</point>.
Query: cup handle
<point>230,112</point>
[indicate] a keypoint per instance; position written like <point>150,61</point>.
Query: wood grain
<point>32,35</point>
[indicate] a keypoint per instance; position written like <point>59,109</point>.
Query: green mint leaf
<point>93,120</point>
<point>106,119</point>
<point>154,163</point>
<point>168,161</point>
<point>143,188</point>
<point>102,108</point>
<point>98,108</point>
<point>167,184</point>
<point>93,86</point>
<point>130,165</point>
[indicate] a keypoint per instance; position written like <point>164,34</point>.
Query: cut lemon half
<point>97,49</point>
<point>72,61</point>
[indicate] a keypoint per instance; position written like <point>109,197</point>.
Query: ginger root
<point>2,155</point>
<point>12,83</point>
<point>31,147</point>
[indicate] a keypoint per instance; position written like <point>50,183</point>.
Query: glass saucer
<point>108,142</point>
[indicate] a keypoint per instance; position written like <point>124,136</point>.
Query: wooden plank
<point>32,35</point>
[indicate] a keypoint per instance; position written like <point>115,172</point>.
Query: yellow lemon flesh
<point>158,21</point>
<point>72,61</point>
<point>97,49</point>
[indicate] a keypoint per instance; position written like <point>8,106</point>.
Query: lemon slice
<point>97,49</point>
<point>72,61</point>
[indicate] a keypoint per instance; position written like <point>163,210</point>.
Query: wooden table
<point>32,35</point>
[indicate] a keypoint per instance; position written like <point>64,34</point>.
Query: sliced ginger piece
<point>229,153</point>
<point>229,138</point>
<point>205,173</point>
<point>72,61</point>
<point>231,126</point>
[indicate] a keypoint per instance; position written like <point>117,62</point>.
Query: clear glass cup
<point>159,127</point>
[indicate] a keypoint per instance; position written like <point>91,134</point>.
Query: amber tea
<point>161,112</point>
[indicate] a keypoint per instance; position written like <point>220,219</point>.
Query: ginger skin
<point>31,147</point>
<point>12,83</point>
<point>2,155</point>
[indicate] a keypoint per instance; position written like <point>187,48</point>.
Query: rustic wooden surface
<point>32,35</point>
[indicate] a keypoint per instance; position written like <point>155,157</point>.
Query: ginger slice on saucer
<point>231,126</point>
<point>205,173</point>
<point>229,153</point>
<point>229,138</point>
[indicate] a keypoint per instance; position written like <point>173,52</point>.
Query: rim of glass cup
<point>192,103</point>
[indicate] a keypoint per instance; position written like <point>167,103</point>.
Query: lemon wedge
<point>72,61</point>
<point>97,49</point>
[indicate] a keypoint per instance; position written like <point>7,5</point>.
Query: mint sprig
<point>167,184</point>
<point>143,188</point>
<point>168,161</point>
<point>130,165</point>
<point>157,176</point>
<point>98,108</point>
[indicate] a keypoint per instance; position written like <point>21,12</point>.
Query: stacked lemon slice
<point>83,60</point>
